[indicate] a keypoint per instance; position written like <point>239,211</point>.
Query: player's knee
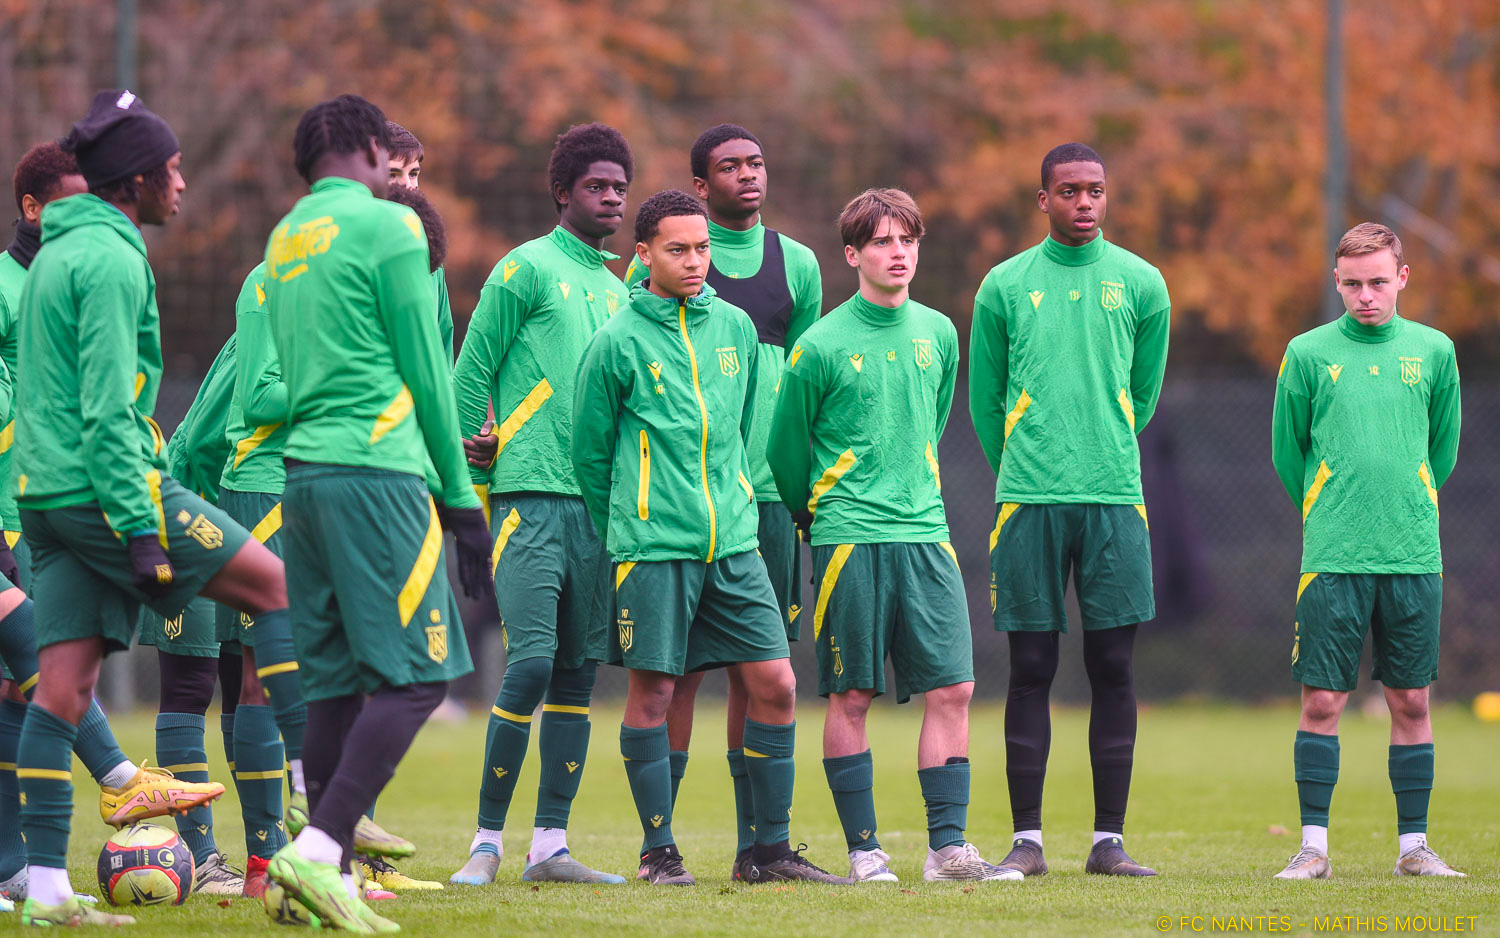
<point>1408,705</point>
<point>525,683</point>
<point>774,688</point>
<point>1032,663</point>
<point>187,683</point>
<point>850,706</point>
<point>1322,707</point>
<point>252,692</point>
<point>954,697</point>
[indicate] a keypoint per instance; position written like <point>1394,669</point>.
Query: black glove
<point>8,566</point>
<point>804,521</point>
<point>150,570</point>
<point>471,535</point>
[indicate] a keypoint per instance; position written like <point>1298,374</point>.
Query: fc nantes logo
<point>729,360</point>
<point>173,628</point>
<point>1113,296</point>
<point>627,630</point>
<point>1411,371</point>
<point>923,353</point>
<point>437,643</point>
<point>611,301</point>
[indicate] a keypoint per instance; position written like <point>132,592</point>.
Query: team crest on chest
<point>923,352</point>
<point>1411,370</point>
<point>611,301</point>
<point>729,360</point>
<point>1113,295</point>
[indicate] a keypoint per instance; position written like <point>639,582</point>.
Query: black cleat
<point>791,866</point>
<point>740,872</point>
<point>1025,857</point>
<point>1108,858</point>
<point>664,867</point>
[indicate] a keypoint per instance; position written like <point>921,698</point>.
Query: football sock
<point>276,666</point>
<point>1108,658</point>
<point>1035,836</point>
<point>508,734</point>
<point>49,885</point>
<point>18,646</point>
<point>945,790</point>
<point>1108,835</point>
<point>1411,769</point>
<point>12,848</point>
<point>226,730</point>
<point>1028,723</point>
<point>769,757</point>
<point>1410,842</point>
<point>1315,835</point>
<point>44,766</point>
<point>744,801</point>
<point>180,750</point>
<point>546,842</point>
<point>852,781</point>
<point>96,748</point>
<point>1315,765</point>
<point>563,744</point>
<point>317,845</point>
<point>258,760</point>
<point>677,760</point>
<point>647,769</point>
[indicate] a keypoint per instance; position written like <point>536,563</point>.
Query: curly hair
<point>704,146</point>
<point>667,203</point>
<point>40,171</point>
<point>1067,153</point>
<point>581,147</point>
<point>427,213</point>
<point>345,124</point>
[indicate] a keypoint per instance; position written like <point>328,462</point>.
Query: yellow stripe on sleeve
<point>524,411</point>
<point>842,465</point>
<point>245,447</point>
<point>1316,489</point>
<point>395,412</point>
<point>153,484</point>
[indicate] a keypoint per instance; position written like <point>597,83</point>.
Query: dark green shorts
<point>902,601</point>
<point>551,579</point>
<point>80,569</point>
<point>370,600</point>
<point>1033,548</point>
<point>190,632</point>
<point>260,514</point>
<point>678,616</point>
<point>22,552</point>
<point>781,549</point>
<point>1334,610</point>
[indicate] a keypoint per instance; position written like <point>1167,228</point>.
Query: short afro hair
<point>710,139</point>
<point>345,124</point>
<point>1067,153</point>
<point>404,144</point>
<point>668,203</point>
<point>41,170</point>
<point>581,147</point>
<point>427,213</point>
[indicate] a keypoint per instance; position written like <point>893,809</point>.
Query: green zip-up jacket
<point>351,304</point>
<point>12,278</point>
<point>91,367</point>
<point>198,447</point>
<point>1066,358</point>
<point>1364,433</point>
<point>664,406</point>
<point>256,427</point>
<point>537,312</point>
<point>871,387</point>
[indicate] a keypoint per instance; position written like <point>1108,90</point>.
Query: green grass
<point>1210,784</point>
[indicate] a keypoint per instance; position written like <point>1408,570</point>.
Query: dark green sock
<point>18,646</point>
<point>1315,765</point>
<point>276,666</point>
<point>677,761</point>
<point>1411,769</point>
<point>650,774</point>
<point>769,757</point>
<point>180,750</point>
<point>12,847</point>
<point>226,730</point>
<point>852,781</point>
<point>744,801</point>
<point>945,789</point>
<point>95,743</point>
<point>44,767</point>
<point>258,768</point>
<point>563,746</point>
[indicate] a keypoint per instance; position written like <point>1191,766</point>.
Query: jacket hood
<point>664,309</point>
<point>78,211</point>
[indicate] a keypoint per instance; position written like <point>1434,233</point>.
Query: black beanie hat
<point>119,137</point>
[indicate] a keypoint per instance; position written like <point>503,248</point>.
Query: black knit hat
<point>119,137</point>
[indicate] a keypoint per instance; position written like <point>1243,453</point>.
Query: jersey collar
<point>719,236</point>
<point>569,244</point>
<point>875,314</point>
<point>1360,332</point>
<point>1069,256</point>
<point>341,182</point>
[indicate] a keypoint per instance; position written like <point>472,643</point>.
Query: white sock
<point>1033,836</point>
<point>317,846</point>
<point>1106,835</point>
<point>1315,836</point>
<point>120,775</point>
<point>351,885</point>
<point>547,842</point>
<point>49,885</point>
<point>298,782</point>
<point>486,836</point>
<point>1410,842</point>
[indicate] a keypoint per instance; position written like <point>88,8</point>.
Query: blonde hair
<point>1368,238</point>
<point>861,218</point>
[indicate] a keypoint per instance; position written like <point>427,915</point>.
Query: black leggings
<point>187,682</point>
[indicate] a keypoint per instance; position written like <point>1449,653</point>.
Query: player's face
<point>736,183</point>
<point>406,172</point>
<point>889,260</point>
<point>678,255</point>
<point>68,184</point>
<point>1074,202</point>
<point>1369,284</point>
<point>156,207</point>
<point>595,205</point>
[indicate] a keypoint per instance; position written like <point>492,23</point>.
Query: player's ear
<point>1041,200</point>
<point>700,186</point>
<point>851,254</point>
<point>643,252</point>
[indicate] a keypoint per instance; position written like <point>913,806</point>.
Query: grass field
<point>1210,784</point>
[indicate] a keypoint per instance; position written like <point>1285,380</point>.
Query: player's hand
<point>804,521</point>
<point>150,570</point>
<point>483,447</point>
<point>8,566</point>
<point>471,535</point>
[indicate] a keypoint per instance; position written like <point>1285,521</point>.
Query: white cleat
<point>14,888</point>
<point>215,877</point>
<point>1309,863</point>
<point>963,862</point>
<point>1422,861</point>
<point>870,866</point>
<point>483,864</point>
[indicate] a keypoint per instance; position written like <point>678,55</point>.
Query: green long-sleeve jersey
<point>1066,358</point>
<point>537,312</point>
<point>871,388</point>
<point>351,303</point>
<point>739,255</point>
<point>198,448</point>
<point>256,427</point>
<point>1364,433</point>
<point>12,278</point>
<point>664,404</point>
<point>444,313</point>
<point>90,368</point>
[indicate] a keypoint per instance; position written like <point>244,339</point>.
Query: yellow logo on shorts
<point>173,628</point>
<point>184,516</point>
<point>1296,641</point>
<point>246,620</point>
<point>627,637</point>
<point>838,660</point>
<point>437,643</point>
<point>205,532</point>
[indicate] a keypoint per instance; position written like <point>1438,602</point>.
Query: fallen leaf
<point>225,903</point>
<point>1276,830</point>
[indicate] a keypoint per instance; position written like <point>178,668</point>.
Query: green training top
<point>738,254</point>
<point>255,428</point>
<point>198,448</point>
<point>91,353</point>
<point>537,312</point>
<point>1065,367</point>
<point>1364,433</point>
<point>12,278</point>
<point>871,387</point>
<point>444,313</point>
<point>664,405</point>
<point>350,299</point>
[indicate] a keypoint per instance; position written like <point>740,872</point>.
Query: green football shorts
<point>260,514</point>
<point>190,632</point>
<point>22,553</point>
<point>370,600</point>
<point>80,568</point>
<point>1107,548</point>
<point>678,616</point>
<point>551,579</point>
<point>1334,610</point>
<point>901,601</point>
<point>781,549</point>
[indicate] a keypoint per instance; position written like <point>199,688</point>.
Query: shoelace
<point>671,864</point>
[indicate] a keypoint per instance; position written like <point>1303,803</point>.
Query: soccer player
<point>538,310</point>
<point>776,281</point>
<point>661,414</point>
<point>1068,347</point>
<point>406,155</point>
<point>369,402</point>
<point>871,385</point>
<point>1364,434</point>
<point>406,166</point>
<point>108,531</point>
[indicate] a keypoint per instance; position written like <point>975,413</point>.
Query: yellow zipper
<point>703,413</point>
<point>643,497</point>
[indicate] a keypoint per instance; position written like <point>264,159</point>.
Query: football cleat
<point>1108,858</point>
<point>792,865</point>
<point>215,877</point>
<point>153,792</point>
<point>740,872</point>
<point>15,887</point>
<point>1025,857</point>
<point>562,868</point>
<point>320,888</point>
<point>296,813</point>
<point>70,914</point>
<point>664,867</point>
<point>372,840</point>
<point>255,877</point>
<point>483,864</point>
<point>1307,863</point>
<point>963,862</point>
<point>1422,861</point>
<point>870,866</point>
<point>381,873</point>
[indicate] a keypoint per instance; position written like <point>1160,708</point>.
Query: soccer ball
<point>284,910</point>
<point>145,864</point>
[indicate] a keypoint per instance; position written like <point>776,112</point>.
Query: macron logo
<point>124,101</point>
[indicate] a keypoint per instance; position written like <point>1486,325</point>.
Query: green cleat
<point>296,813</point>
<point>70,914</point>
<point>379,924</point>
<point>373,840</point>
<point>319,887</point>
